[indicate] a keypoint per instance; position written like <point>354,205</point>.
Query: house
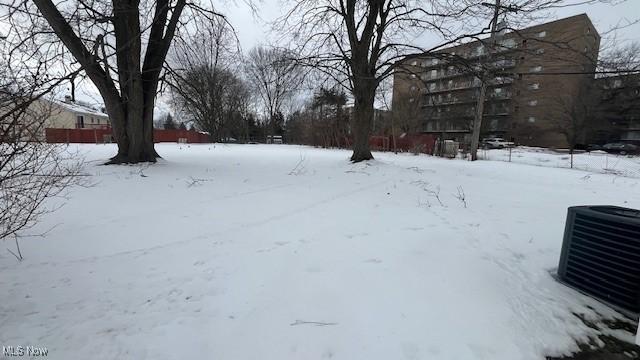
<point>68,114</point>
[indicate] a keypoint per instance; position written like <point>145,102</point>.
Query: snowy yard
<point>286,252</point>
<point>595,161</point>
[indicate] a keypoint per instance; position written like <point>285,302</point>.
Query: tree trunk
<point>132,129</point>
<point>477,123</point>
<point>130,106</point>
<point>363,112</point>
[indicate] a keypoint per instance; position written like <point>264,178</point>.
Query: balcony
<point>445,126</point>
<point>496,114</point>
<point>467,85</point>
<point>471,99</point>
<point>499,96</point>
<point>503,64</point>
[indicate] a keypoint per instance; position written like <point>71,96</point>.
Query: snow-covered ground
<point>595,161</point>
<point>286,252</point>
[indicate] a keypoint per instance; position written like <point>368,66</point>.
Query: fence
<point>417,143</point>
<point>595,161</point>
<point>96,136</point>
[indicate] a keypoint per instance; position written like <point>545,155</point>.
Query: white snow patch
<point>249,252</point>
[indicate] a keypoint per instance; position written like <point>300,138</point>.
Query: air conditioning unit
<point>601,255</point>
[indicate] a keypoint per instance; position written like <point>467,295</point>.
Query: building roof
<point>79,108</point>
<point>511,34</point>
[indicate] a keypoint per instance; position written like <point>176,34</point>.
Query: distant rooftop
<point>79,107</point>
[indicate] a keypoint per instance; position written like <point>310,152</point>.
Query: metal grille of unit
<point>601,254</point>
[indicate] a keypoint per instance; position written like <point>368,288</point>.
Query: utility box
<point>601,255</point>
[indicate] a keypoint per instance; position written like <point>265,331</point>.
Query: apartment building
<point>616,109</point>
<point>536,74</point>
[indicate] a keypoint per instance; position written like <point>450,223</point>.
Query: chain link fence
<point>595,161</point>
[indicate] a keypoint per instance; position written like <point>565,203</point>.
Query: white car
<point>496,143</point>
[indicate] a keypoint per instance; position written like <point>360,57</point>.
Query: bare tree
<point>576,115</point>
<point>331,121</point>
<point>31,170</point>
<point>361,43</point>
<point>203,80</point>
<point>273,74</point>
<point>120,45</point>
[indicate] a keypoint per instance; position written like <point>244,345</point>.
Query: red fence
<point>422,143</point>
<point>94,136</point>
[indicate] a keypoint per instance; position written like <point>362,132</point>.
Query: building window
<point>539,51</point>
<point>424,64</point>
<point>424,77</point>
<point>434,73</point>
<point>536,68</point>
<point>411,100</point>
<point>413,76</point>
<point>450,84</point>
<point>542,34</point>
<point>497,91</point>
<point>534,86</point>
<point>414,88</point>
<point>80,122</point>
<point>533,102</point>
<point>432,86</point>
<point>434,61</point>
<point>508,43</point>
<point>531,119</point>
<point>414,63</point>
<point>617,83</point>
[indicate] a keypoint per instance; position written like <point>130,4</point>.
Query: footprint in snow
<point>413,228</point>
<point>351,236</point>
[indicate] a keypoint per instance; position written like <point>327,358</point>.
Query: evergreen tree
<point>169,124</point>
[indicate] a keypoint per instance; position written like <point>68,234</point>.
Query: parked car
<point>496,143</point>
<point>594,147</point>
<point>620,148</point>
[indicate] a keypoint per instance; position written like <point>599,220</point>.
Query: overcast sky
<point>253,28</point>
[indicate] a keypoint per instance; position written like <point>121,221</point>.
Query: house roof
<point>79,108</point>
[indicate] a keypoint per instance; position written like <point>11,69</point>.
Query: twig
<point>19,255</point>
<point>195,181</point>
<point>316,323</point>
<point>461,196</point>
